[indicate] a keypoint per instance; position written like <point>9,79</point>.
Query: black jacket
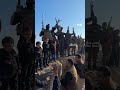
<point>25,52</point>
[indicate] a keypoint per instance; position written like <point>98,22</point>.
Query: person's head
<point>27,33</point>
<point>53,28</point>
<point>70,63</point>
<point>8,43</point>
<point>104,25</point>
<point>67,31</point>
<point>46,39</point>
<point>103,74</point>
<point>77,56</point>
<point>48,27</point>
<point>61,28</point>
<point>38,44</point>
<point>30,4</point>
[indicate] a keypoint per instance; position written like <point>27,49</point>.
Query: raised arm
<point>16,17</point>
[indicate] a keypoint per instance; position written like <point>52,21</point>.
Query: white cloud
<point>79,25</point>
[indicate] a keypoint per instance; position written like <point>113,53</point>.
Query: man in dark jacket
<point>80,67</point>
<point>46,49</point>
<point>38,55</point>
<point>26,57</point>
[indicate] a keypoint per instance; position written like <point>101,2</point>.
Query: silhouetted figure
<point>61,39</point>
<point>106,43</point>
<point>38,55</point>
<point>46,51</point>
<point>115,57</point>
<point>104,80</point>
<point>68,40</point>
<point>79,43</point>
<point>27,59</point>
<point>74,41</point>
<point>9,65</point>
<point>24,16</point>
<point>92,37</point>
<point>47,33</point>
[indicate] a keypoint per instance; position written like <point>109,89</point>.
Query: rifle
<point>57,26</point>
<point>92,11</point>
<point>57,21</point>
<point>109,23</point>
<point>42,23</point>
<point>19,4</point>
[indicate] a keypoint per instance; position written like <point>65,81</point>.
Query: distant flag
<point>0,25</point>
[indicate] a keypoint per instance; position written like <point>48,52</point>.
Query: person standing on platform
<point>38,55</point>
<point>26,58</point>
<point>46,51</point>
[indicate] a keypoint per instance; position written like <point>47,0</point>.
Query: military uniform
<point>26,58</point>
<point>46,52</point>
<point>25,16</point>
<point>61,41</point>
<point>46,33</point>
<point>68,41</point>
<point>52,50</point>
<point>38,57</point>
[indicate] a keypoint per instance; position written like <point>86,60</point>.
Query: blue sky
<point>71,12</point>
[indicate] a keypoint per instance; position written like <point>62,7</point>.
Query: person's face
<point>76,58</point>
<point>8,47</point>
<point>69,65</point>
<point>46,40</point>
<point>28,35</point>
<point>38,45</point>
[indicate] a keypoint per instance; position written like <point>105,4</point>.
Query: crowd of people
<point>104,35</point>
<point>56,44</point>
<point>69,79</point>
<point>17,70</point>
<point>99,75</point>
